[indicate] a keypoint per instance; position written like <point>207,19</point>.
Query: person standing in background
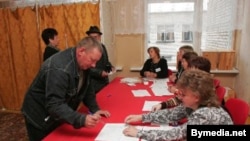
<point>50,38</point>
<point>103,67</point>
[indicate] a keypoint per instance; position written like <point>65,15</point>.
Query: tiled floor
<point>12,127</point>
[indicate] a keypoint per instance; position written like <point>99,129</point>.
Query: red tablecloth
<point>118,99</point>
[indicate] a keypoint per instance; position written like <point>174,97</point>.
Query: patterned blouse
<point>201,116</point>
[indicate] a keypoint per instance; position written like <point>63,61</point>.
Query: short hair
<point>186,48</point>
<point>202,84</point>
<point>188,56</point>
<point>201,63</point>
<point>89,43</point>
<point>156,49</point>
<point>48,33</point>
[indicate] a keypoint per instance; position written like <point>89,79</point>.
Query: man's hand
<point>102,113</point>
<point>104,74</point>
<point>92,120</point>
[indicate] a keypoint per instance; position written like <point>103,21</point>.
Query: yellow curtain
<point>52,16</point>
<point>7,81</point>
<point>22,47</point>
<point>25,48</point>
<point>70,20</point>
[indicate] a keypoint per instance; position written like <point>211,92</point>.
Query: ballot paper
<point>130,80</point>
<point>160,87</point>
<point>149,104</point>
<point>140,93</point>
<point>160,91</point>
<point>114,132</point>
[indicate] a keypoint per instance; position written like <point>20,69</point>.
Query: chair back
<point>170,72</point>
<point>216,83</point>
<point>238,109</point>
<point>220,91</point>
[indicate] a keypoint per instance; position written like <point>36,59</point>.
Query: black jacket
<point>49,51</point>
<point>53,98</point>
<point>96,73</point>
<point>160,68</point>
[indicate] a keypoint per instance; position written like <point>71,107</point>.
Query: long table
<point>118,99</point>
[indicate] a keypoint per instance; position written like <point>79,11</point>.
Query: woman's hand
<point>172,88</point>
<point>172,78</point>
<point>133,118</point>
<point>130,131</point>
<point>156,107</point>
<point>149,74</point>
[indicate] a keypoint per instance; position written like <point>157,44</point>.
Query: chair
<point>170,72</point>
<point>220,91</point>
<point>238,109</point>
<point>216,83</point>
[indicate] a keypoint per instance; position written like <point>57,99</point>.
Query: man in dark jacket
<point>61,84</point>
<point>103,67</point>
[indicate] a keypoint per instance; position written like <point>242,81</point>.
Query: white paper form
<point>160,87</point>
<point>130,80</point>
<point>161,91</point>
<point>149,104</point>
<point>113,132</point>
<point>140,93</point>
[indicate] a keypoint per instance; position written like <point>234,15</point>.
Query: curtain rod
<point>21,3</point>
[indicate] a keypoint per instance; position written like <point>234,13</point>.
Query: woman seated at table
<point>185,62</point>
<point>198,62</point>
<point>155,66</point>
<point>199,105</point>
<point>182,50</point>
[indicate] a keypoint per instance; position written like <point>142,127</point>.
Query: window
<point>187,34</point>
<point>174,23</point>
<point>165,33</point>
<point>169,27</point>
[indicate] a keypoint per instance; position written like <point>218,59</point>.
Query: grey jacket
<point>53,98</point>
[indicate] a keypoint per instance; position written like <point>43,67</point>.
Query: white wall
<point>243,79</point>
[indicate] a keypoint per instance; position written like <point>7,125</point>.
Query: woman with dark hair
<point>155,66</point>
<point>187,62</point>
<point>50,38</point>
<point>182,50</point>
